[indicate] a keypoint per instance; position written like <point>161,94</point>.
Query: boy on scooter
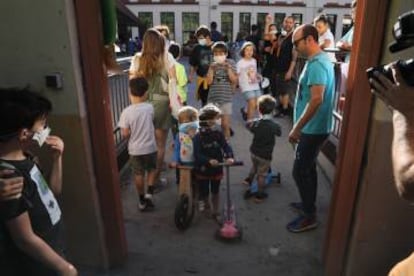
<point>264,131</point>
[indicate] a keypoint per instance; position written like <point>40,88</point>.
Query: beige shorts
<point>143,163</point>
<point>260,166</point>
<point>225,108</point>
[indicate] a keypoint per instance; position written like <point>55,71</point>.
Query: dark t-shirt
<point>216,36</point>
<point>210,144</point>
<point>270,60</point>
<point>44,213</point>
<point>264,132</point>
<point>201,58</point>
<point>285,55</point>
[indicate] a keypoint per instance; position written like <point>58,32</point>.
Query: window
<point>190,24</point>
<point>227,26</point>
<point>261,20</point>
<point>298,19</point>
<point>145,19</point>
<point>167,18</point>
<point>244,22</point>
<point>332,22</point>
<point>279,17</point>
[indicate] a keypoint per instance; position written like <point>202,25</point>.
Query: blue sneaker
<point>302,224</point>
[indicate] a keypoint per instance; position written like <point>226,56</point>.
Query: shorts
<point>162,113</point>
<point>260,165</point>
<point>143,163</point>
<point>283,87</point>
<point>248,95</point>
<point>225,108</point>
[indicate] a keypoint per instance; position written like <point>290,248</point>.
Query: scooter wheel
<point>183,213</point>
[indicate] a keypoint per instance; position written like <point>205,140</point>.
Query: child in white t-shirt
<point>249,78</point>
<point>136,123</point>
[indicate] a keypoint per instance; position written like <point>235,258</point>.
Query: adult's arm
<point>399,96</point>
<point>10,188</point>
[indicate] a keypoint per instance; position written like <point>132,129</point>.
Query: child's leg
<point>150,166</point>
<point>262,170</point>
<point>263,166</point>
<point>138,170</point>
<point>251,107</point>
<point>225,124</point>
<point>139,184</point>
<point>215,199</point>
<point>203,191</point>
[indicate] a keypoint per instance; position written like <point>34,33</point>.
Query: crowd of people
<point>202,137</point>
<point>29,210</point>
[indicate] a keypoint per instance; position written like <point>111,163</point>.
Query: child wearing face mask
<point>31,225</point>
<point>200,60</point>
<point>183,143</point>
<point>222,77</point>
<point>210,149</point>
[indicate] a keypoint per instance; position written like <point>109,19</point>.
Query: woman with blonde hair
<point>152,64</point>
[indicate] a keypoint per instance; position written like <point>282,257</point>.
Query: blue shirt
<point>318,70</point>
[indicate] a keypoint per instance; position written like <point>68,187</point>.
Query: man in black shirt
<point>284,66</point>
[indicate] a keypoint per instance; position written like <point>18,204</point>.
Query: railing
<point>118,96</point>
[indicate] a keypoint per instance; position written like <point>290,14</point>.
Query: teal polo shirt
<point>318,70</point>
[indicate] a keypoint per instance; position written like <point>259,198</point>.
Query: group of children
<point>202,137</point>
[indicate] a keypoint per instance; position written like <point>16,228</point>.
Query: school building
<point>233,16</point>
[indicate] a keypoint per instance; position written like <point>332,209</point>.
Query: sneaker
<point>247,181</point>
<point>201,205</point>
<point>296,207</point>
<point>248,194</point>
<point>260,197</point>
<point>302,224</point>
<point>142,205</point>
<point>149,201</point>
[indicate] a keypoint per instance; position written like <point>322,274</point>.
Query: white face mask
<point>40,137</point>
<point>220,59</point>
<point>202,41</point>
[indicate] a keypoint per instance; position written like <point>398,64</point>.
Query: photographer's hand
<point>399,96</point>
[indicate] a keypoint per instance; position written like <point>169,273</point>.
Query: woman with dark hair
<point>326,38</point>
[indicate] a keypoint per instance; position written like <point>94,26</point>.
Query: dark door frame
<point>366,51</point>
<point>95,84</point>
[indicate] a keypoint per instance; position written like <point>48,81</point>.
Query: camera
<point>403,33</point>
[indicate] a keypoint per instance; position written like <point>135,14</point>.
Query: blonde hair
<point>187,112</point>
<point>152,59</point>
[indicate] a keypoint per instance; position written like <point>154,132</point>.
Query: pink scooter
<point>229,229</point>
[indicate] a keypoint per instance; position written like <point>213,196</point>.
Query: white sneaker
<point>142,205</point>
<point>201,206</point>
<point>149,201</point>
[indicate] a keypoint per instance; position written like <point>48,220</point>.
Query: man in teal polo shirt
<point>312,123</point>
